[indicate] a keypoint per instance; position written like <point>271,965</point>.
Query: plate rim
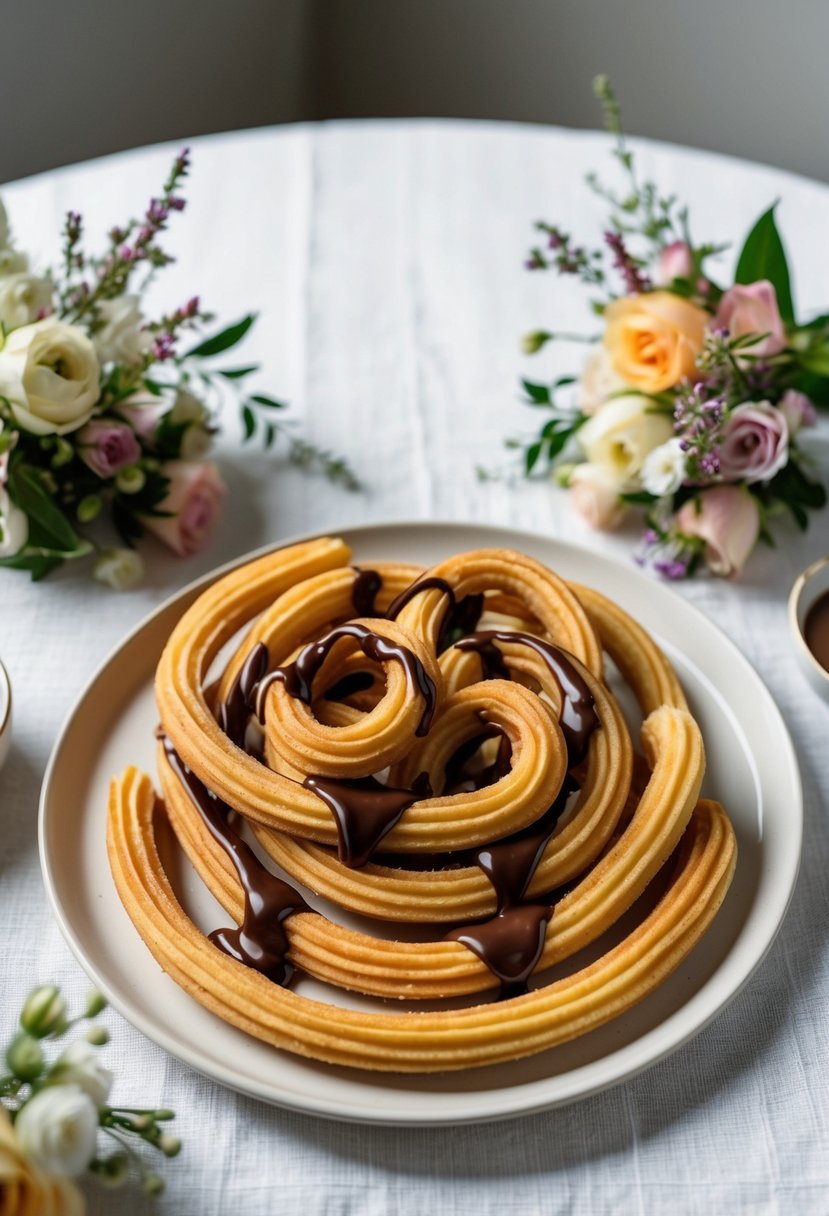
<point>638,1056</point>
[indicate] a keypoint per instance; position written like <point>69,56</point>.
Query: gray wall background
<point>79,78</point>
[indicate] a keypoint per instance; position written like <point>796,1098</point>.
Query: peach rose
<point>595,497</point>
<point>25,1189</point>
<point>654,339</point>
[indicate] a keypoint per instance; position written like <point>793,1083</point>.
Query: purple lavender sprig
<point>630,268</point>
<point>130,246</point>
<point>698,421</point>
<point>565,257</point>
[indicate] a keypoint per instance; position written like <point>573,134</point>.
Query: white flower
<point>195,443</point>
<point>187,408</point>
<point>599,381</point>
<point>58,1128</point>
<point>80,1065</point>
<point>121,338</point>
<point>621,434</point>
<point>121,569</point>
<point>49,375</point>
<point>12,261</point>
<point>664,468</point>
<point>22,297</point>
<point>14,526</point>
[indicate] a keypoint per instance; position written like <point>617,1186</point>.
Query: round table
<point>385,262</point>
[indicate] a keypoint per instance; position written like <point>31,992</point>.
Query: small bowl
<point>811,584</point>
<point>5,714</point>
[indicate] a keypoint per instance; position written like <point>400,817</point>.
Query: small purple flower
<point>107,447</point>
<point>176,203</point>
<point>673,568</point>
<point>164,347</point>
<point>157,212</point>
<point>635,281</point>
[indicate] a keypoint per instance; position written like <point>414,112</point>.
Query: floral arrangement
<point>102,416</point>
<point>51,1115</point>
<point>693,402</point>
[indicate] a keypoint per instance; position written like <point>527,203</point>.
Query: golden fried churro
<point>436,748</point>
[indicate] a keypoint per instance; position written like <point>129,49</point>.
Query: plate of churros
<point>422,824</point>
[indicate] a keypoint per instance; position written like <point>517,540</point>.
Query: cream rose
<point>121,338</point>
<point>24,1189</point>
<point>80,1065</point>
<point>49,375</point>
<point>654,338</point>
<point>599,381</point>
<point>621,435</point>
<point>14,526</point>
<point>22,298</point>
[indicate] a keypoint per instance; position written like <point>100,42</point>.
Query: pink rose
<point>797,409</point>
<point>595,497</point>
<point>143,411</point>
<point>106,447</point>
<point>755,443</point>
<point>194,501</point>
<point>676,261</point>
<point>727,518</point>
<point>752,309</point>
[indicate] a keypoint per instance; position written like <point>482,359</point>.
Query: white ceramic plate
<point>751,769</point>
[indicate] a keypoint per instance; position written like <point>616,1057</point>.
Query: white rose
<point>664,468</point>
<point>14,526</point>
<point>12,261</point>
<point>22,297</point>
<point>121,338</point>
<point>80,1065</point>
<point>599,381</point>
<point>58,1128</point>
<point>621,434</point>
<point>49,375</point>
<point>120,569</point>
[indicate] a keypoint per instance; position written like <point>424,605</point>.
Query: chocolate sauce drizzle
<point>367,584</point>
<point>511,942</point>
<point>460,618</point>
<point>578,717</point>
<point>233,713</point>
<point>365,811</point>
<point>260,941</point>
<point>298,677</point>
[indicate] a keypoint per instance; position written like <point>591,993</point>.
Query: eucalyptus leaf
<point>238,373</point>
<point>763,257</point>
<point>248,422</point>
<point>269,402</point>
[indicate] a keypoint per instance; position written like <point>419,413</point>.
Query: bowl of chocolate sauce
<point>5,714</point>
<point>809,617</point>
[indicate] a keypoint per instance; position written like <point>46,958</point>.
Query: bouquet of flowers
<point>693,404</point>
<point>100,414</point>
<point>51,1115</point>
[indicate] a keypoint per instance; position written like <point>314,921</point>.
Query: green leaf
<point>815,387</point>
<point>222,341</point>
<point>639,498</point>
<point>531,456</point>
<point>538,394</point>
<point>269,402</point>
<point>238,373</point>
<point>37,565</point>
<point>28,492</point>
<point>270,434</point>
<point>816,361</point>
<point>248,421</point>
<point>763,257</point>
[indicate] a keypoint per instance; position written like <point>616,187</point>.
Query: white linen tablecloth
<point>385,261</point>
